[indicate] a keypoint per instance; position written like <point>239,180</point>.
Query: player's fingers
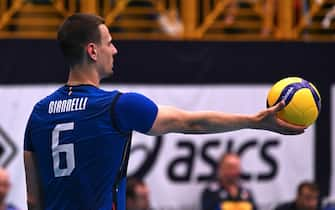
<point>279,106</point>
<point>290,128</point>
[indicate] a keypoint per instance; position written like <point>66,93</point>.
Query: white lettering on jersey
<point>68,105</point>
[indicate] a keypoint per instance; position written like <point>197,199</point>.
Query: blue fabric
<point>135,112</point>
<point>11,207</point>
<point>329,207</point>
<point>97,145</point>
<point>27,137</point>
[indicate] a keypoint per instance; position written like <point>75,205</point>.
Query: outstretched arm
<point>170,119</point>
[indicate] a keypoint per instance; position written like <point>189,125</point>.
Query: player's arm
<point>34,199</point>
<point>137,112</point>
<point>171,119</point>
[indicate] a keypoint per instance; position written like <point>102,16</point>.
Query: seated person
<point>227,193</point>
<point>4,190</point>
<point>307,198</point>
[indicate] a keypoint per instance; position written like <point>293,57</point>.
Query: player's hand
<point>268,120</point>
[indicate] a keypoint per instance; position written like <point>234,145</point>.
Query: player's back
<point>78,149</point>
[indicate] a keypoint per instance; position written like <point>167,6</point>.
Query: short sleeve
<point>135,112</point>
<point>27,137</point>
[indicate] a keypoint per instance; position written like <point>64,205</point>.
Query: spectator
<point>227,192</point>
<point>4,189</point>
<point>232,8</point>
<point>171,23</point>
<point>326,22</point>
<point>306,199</point>
<point>137,195</point>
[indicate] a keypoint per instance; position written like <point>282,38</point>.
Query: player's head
<point>307,196</point>
<point>4,184</point>
<point>229,168</point>
<point>85,40</point>
<point>137,195</point>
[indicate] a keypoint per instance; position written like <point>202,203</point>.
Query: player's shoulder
<point>136,97</point>
<point>134,101</point>
<point>124,95</point>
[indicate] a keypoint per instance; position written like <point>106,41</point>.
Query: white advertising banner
<point>177,167</point>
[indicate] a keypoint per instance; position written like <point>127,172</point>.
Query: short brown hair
<point>77,31</point>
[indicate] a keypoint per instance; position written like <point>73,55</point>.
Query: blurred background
<point>177,19</point>
<point>194,54</point>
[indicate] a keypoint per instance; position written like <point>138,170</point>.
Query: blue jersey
<point>78,135</point>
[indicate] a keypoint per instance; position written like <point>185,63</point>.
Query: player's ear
<point>91,50</point>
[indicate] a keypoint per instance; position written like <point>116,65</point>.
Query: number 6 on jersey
<point>57,149</point>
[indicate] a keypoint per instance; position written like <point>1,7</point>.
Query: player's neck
<point>80,75</point>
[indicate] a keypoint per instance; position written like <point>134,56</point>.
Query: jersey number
<point>66,149</point>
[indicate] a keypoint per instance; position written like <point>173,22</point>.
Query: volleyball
<point>302,100</point>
